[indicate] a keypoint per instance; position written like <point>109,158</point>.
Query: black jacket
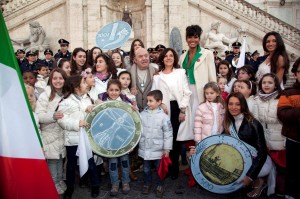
<point>253,134</point>
<point>255,64</point>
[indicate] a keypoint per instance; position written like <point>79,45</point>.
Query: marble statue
<point>215,40</point>
<point>35,41</point>
<point>176,41</point>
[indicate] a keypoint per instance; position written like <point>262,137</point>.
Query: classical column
<point>178,20</point>
<point>158,22</point>
<point>93,22</point>
<point>75,23</point>
<point>148,25</point>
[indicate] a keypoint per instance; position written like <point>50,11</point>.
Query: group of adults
<point>182,80</point>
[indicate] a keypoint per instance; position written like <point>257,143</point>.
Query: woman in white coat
<point>199,65</point>
<point>172,82</point>
<point>52,133</point>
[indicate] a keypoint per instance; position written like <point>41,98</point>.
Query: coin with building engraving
<point>115,128</point>
<point>220,163</point>
<point>113,35</point>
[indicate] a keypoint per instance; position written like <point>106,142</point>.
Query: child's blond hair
<point>33,102</point>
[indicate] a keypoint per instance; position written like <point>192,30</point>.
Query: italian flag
<point>24,172</point>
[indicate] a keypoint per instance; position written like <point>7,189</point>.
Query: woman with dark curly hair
<point>103,71</point>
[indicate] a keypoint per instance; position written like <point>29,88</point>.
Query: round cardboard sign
<point>220,163</point>
<point>113,35</point>
<point>115,128</point>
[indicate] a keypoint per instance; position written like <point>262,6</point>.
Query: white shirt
<point>170,80</point>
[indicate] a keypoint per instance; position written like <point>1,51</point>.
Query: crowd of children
<point>61,99</point>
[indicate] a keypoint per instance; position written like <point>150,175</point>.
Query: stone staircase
<point>257,22</point>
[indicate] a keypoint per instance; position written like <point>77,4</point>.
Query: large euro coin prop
<point>220,163</point>
<point>114,130</point>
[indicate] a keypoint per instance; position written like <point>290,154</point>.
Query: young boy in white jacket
<point>156,139</point>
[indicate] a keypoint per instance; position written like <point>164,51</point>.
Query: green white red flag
<point>23,169</point>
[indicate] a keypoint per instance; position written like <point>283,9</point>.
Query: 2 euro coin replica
<point>115,129</point>
<point>220,163</point>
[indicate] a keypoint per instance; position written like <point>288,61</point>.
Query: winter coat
<point>157,134</point>
<point>250,103</point>
<point>74,111</point>
<point>253,134</point>
<point>288,112</point>
<point>204,120</point>
<point>100,87</point>
<point>52,133</point>
<point>182,95</point>
<point>266,113</point>
<point>204,70</point>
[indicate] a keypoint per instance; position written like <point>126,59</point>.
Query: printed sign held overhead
<point>113,35</point>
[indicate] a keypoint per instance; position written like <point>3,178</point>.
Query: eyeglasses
<point>63,45</point>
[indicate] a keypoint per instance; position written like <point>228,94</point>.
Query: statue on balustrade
<point>35,41</point>
<point>215,40</point>
<point>126,18</point>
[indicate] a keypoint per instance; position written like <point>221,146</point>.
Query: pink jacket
<point>204,120</point>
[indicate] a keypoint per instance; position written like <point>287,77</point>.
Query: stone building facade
<point>78,21</point>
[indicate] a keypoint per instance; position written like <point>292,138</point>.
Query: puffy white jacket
<point>157,134</point>
<point>266,113</point>
<point>100,87</point>
<point>52,133</point>
<point>41,84</point>
<point>250,103</point>
<point>73,109</point>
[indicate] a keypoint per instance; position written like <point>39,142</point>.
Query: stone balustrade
<point>262,18</point>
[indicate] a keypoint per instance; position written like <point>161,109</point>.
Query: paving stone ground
<point>170,187</point>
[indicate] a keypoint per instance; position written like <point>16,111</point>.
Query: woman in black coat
<point>240,123</point>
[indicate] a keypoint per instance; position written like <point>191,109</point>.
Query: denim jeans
<point>56,169</point>
<point>113,169</point>
<point>72,166</point>
<point>148,173</point>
